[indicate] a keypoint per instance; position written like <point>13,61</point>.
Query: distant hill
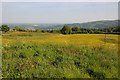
<point>97,24</point>
<point>94,24</point>
<point>36,25</point>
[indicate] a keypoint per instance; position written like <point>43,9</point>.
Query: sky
<point>57,12</point>
<point>60,0</point>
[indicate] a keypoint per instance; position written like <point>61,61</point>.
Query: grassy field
<point>45,55</point>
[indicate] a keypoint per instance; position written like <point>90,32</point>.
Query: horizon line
<point>61,22</point>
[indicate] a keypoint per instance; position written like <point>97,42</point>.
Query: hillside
<point>97,24</point>
<point>94,24</point>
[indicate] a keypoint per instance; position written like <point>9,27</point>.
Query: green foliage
<point>5,28</point>
<point>17,28</point>
<point>66,30</point>
<point>58,61</point>
<point>37,30</point>
<point>43,31</point>
<point>96,75</point>
<point>37,53</point>
<point>75,30</point>
<point>22,55</point>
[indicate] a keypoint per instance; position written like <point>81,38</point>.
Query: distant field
<point>76,39</point>
<point>45,55</point>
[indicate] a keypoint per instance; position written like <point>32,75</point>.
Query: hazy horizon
<point>58,12</point>
<point>59,23</point>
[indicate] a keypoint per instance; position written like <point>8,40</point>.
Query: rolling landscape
<point>93,24</point>
<point>59,48</point>
<point>31,54</point>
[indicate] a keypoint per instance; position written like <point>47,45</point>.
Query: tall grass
<point>43,55</point>
<point>58,61</point>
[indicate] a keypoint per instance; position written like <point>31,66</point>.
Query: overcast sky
<point>58,12</point>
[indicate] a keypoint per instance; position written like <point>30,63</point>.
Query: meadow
<point>47,55</point>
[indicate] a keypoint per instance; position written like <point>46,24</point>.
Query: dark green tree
<point>5,28</point>
<point>75,30</point>
<point>66,30</point>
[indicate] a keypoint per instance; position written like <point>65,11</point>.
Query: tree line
<point>67,30</point>
<point>76,30</point>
